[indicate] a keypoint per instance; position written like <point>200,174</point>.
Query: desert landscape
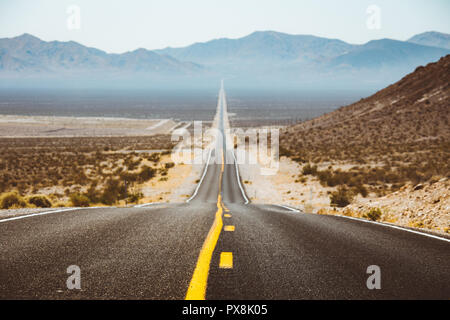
<point>52,126</point>
<point>174,152</point>
<point>43,171</point>
<point>384,158</point>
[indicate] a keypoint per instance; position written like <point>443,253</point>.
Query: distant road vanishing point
<point>216,246</point>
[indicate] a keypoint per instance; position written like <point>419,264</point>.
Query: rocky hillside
<point>383,158</point>
<point>411,111</point>
<point>403,128</point>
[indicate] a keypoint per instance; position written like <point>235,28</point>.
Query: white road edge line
<point>395,227</point>
<point>239,179</point>
<point>147,204</point>
<point>53,211</point>
<point>201,179</point>
<point>39,214</point>
<point>286,207</point>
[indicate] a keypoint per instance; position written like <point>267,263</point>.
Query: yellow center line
<point>226,260</point>
<point>228,228</point>
<point>197,286</point>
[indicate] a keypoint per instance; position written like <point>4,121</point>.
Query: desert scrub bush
<point>146,173</point>
<point>128,176</point>
<point>133,164</point>
<point>285,152</point>
<point>118,171</point>
<point>361,189</point>
<point>309,170</point>
<point>39,201</point>
<point>11,200</point>
<point>79,200</point>
<point>154,157</point>
<point>341,198</point>
<point>350,213</point>
<point>92,193</point>
<point>169,165</point>
<point>134,197</point>
<point>113,191</point>
<point>373,214</point>
<point>166,152</point>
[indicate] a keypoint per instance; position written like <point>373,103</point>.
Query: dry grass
<point>102,169</point>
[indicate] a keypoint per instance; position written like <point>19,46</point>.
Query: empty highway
<point>216,246</point>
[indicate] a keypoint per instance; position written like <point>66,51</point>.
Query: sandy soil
<point>284,187</point>
<point>42,126</point>
<point>424,206</point>
<point>177,186</point>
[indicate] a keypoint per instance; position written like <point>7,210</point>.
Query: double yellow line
<point>197,286</point>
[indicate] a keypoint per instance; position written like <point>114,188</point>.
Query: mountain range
<point>28,54</point>
<point>433,39</point>
<point>261,56</point>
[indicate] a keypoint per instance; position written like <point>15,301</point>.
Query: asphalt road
<point>173,251</point>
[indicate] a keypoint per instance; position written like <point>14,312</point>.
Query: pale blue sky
<point>119,25</point>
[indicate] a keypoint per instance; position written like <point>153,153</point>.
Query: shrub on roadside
<point>373,214</point>
<point>169,165</point>
<point>135,197</point>
<point>284,152</point>
<point>92,193</point>
<point>39,201</point>
<point>154,157</point>
<point>309,170</point>
<point>113,191</point>
<point>361,189</point>
<point>341,198</point>
<point>11,200</point>
<point>146,174</point>
<point>163,172</point>
<point>79,200</point>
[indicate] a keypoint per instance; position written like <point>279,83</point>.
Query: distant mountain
<point>389,53</point>
<point>27,54</point>
<point>142,60</point>
<point>433,39</point>
<point>261,58</point>
<point>261,47</point>
<point>308,59</point>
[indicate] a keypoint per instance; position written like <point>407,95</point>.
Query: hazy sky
<point>119,26</point>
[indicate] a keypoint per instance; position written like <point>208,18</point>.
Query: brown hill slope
<point>400,134</point>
